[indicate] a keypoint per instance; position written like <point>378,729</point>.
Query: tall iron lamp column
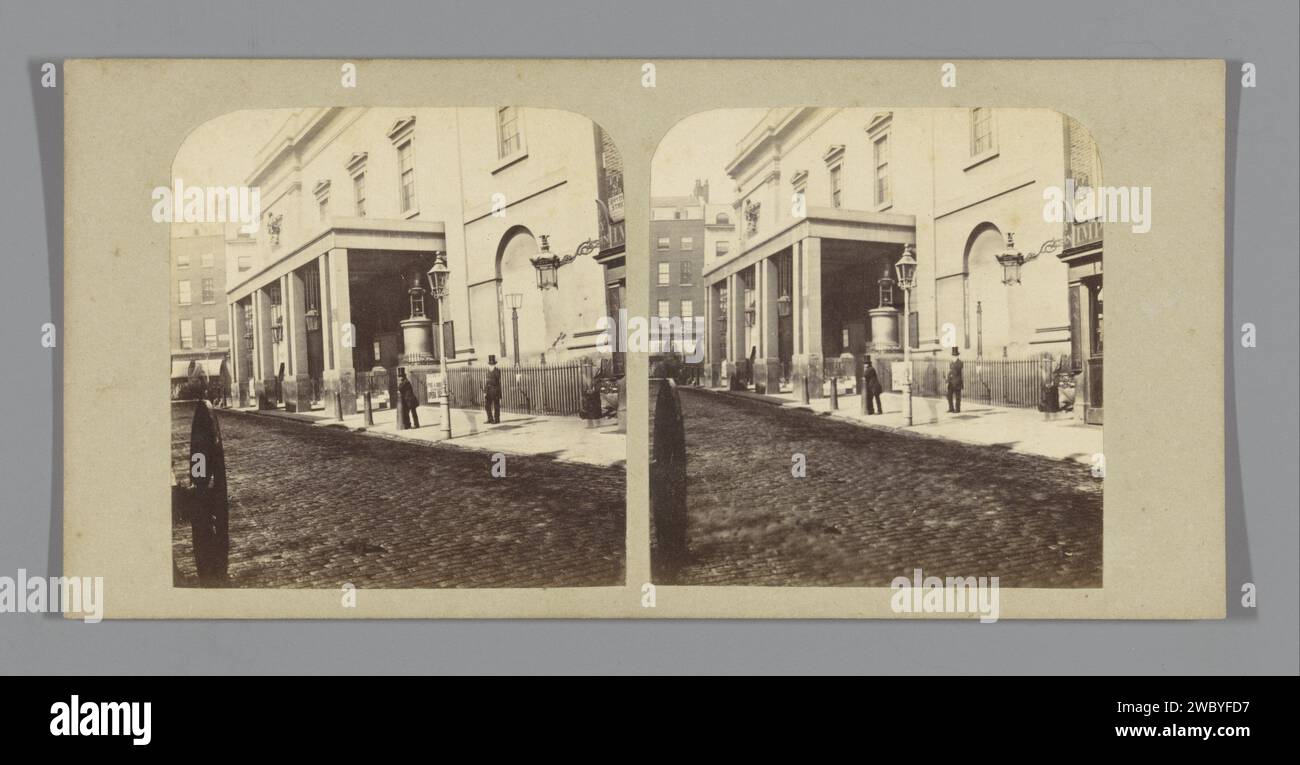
<point>906,267</point>
<point>438,276</point>
<point>514,300</point>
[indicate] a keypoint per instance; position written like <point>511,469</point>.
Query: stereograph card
<point>645,339</point>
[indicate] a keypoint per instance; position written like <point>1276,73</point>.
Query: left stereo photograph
<point>386,358</point>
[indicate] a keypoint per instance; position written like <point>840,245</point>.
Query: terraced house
<point>359,203</point>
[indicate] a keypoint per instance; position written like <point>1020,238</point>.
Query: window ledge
<point>981,159</point>
<point>411,213</point>
<point>883,206</point>
<point>505,162</point>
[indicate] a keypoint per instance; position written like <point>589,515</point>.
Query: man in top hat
<point>492,391</point>
<point>410,404</point>
<point>955,382</point>
<point>871,387</point>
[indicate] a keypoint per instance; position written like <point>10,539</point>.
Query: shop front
<point>1083,255</point>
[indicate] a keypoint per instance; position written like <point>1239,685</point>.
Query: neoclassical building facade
<point>356,205</point>
<point>827,199</point>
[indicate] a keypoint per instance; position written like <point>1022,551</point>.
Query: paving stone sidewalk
<point>568,439</point>
<point>1026,431</point>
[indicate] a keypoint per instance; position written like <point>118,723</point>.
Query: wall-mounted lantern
<point>548,264</point>
<point>1011,260</point>
<point>273,227</point>
<point>783,306</point>
<point>313,320</point>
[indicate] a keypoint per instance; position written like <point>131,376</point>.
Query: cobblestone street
<point>315,507</point>
<point>875,504</point>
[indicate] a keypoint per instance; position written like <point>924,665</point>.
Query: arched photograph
<point>385,367</point>
<point>880,352</point>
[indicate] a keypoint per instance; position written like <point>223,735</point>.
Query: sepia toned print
<point>895,308</point>
<point>384,366</point>
<point>488,231</point>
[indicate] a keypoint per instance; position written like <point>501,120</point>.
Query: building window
<point>981,130</point>
<point>209,290</point>
<point>206,260</point>
<point>664,311</point>
<point>406,175</point>
<point>837,186</point>
<point>209,333</point>
<point>685,273</point>
<point>509,141</point>
<point>688,318</point>
<point>184,292</point>
<point>688,243</point>
<point>322,192</point>
<point>883,191</point>
<point>665,275</point>
<point>722,248</point>
<point>245,262</point>
<point>359,192</point>
<point>723,219</point>
<point>664,243</point>
<point>187,334</point>
<point>183,260</point>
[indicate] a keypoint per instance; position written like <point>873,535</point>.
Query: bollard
<point>835,393</point>
<point>398,422</point>
<point>803,390</point>
<point>209,508</point>
<point>862,395</point>
<point>370,411</point>
<point>668,486</point>
<point>338,407</point>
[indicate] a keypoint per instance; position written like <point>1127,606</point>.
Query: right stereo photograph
<point>878,347</point>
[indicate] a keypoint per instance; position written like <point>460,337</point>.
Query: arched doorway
<point>515,275</point>
<point>988,320</point>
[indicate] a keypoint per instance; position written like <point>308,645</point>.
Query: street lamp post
<point>438,286</point>
<point>514,300</point>
<point>906,267</point>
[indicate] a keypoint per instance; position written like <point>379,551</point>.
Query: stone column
<point>297,382</point>
<point>807,364</point>
<point>336,315</point>
<point>239,392</point>
<point>736,326</point>
<point>263,350</point>
<point>767,367</point>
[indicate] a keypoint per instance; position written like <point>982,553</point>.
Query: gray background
<point>1263,449</point>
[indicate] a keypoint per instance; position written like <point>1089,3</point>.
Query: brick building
<point>200,328</point>
<point>686,233</point>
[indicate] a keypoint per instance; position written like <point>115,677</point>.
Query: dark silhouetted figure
<point>955,382</point>
<point>871,388</point>
<point>492,391</point>
<point>410,417</point>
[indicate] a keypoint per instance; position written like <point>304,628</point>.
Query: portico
<point>329,306</point>
<point>807,292</point>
